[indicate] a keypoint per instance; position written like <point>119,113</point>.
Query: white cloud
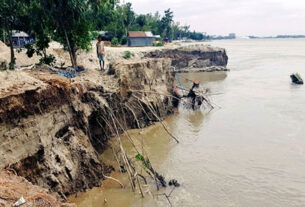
<point>258,17</point>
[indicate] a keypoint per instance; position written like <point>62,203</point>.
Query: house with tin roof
<point>20,39</point>
<point>141,39</point>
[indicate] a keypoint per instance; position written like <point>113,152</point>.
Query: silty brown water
<point>250,152</point>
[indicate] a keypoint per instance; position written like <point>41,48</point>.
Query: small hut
<point>20,39</point>
<point>140,39</point>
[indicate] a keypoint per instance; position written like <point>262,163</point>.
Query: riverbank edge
<point>63,156</point>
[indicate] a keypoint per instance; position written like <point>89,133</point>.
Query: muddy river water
<point>248,152</point>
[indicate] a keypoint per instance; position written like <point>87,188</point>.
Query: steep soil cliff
<point>52,129</point>
<point>201,57</point>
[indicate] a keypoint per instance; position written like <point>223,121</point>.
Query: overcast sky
<point>243,17</point>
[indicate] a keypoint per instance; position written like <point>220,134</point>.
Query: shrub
<point>124,40</point>
<point>3,65</point>
<point>115,41</point>
<point>48,59</point>
<point>158,44</point>
<point>11,65</point>
<point>127,55</point>
<point>29,50</point>
<point>93,35</point>
<point>38,48</point>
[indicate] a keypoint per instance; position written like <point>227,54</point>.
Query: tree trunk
<point>74,56</point>
<point>70,50</point>
<point>44,53</point>
<point>13,60</point>
<point>4,36</point>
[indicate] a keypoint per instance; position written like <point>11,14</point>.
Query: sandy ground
<point>85,58</point>
<point>18,81</point>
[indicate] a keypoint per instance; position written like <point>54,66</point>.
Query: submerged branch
<point>116,180</point>
<point>157,117</point>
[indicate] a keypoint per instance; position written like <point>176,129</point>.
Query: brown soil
<point>193,57</point>
<point>52,128</point>
<point>13,187</point>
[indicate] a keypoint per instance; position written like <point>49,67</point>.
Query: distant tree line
<point>277,37</point>
<point>122,19</point>
<point>73,22</point>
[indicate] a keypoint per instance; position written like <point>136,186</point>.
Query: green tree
<point>167,21</point>
<point>154,23</point>
<point>185,31</point>
<point>40,27</point>
<point>71,23</point>
<point>177,31</point>
<point>128,16</point>
<point>12,17</point>
<point>105,15</point>
<point>141,21</point>
<point>111,19</point>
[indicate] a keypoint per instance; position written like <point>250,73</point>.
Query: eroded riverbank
<point>250,152</point>
<point>160,149</point>
<point>53,128</point>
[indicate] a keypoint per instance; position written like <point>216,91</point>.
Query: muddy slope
<point>194,57</point>
<point>52,129</point>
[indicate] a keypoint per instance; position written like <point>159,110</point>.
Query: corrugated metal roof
<point>142,34</point>
<point>20,34</point>
<point>149,34</point>
<point>137,34</point>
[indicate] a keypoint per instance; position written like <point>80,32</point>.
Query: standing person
<point>100,50</point>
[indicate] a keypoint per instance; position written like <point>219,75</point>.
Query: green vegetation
<point>3,65</point>
<point>48,59</point>
<point>144,161</point>
<point>123,19</point>
<point>12,17</point>
<point>127,55</point>
<point>166,25</point>
<point>115,41</point>
<point>158,44</point>
<point>124,40</point>
<point>73,22</point>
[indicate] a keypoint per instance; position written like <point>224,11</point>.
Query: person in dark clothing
<point>192,94</point>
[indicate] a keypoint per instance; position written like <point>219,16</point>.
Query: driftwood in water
<point>116,180</point>
<point>167,196</point>
<point>296,78</point>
